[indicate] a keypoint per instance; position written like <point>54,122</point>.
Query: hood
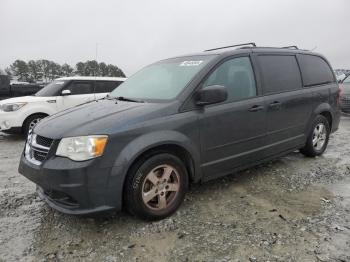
<point>101,117</point>
<point>25,99</point>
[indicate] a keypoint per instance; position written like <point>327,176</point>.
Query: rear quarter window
<point>106,86</point>
<point>280,73</point>
<point>315,70</point>
<point>80,88</point>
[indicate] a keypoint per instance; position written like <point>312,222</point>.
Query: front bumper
<point>11,121</point>
<point>76,188</point>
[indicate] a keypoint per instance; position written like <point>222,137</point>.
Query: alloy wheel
<point>319,136</point>
<point>160,187</point>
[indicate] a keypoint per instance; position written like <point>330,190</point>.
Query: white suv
<point>20,114</point>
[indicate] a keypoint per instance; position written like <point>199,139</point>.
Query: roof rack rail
<point>290,46</point>
<point>224,47</point>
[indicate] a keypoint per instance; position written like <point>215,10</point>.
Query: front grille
<point>37,148</point>
<point>44,141</point>
<point>39,156</point>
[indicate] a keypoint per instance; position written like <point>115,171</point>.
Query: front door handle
<point>256,108</point>
<point>275,104</point>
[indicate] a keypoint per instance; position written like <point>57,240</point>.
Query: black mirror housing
<point>211,95</point>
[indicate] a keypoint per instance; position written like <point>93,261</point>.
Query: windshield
<point>52,89</point>
<point>163,80</point>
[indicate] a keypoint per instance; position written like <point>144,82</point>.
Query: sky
<point>132,34</point>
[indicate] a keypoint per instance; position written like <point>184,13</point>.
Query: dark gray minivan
<point>182,120</point>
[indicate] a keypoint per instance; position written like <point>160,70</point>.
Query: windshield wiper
<point>123,98</point>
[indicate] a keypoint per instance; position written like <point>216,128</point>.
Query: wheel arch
<point>325,110</point>
<point>33,114</point>
<point>161,141</point>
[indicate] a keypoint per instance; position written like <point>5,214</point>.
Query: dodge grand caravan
<point>179,121</point>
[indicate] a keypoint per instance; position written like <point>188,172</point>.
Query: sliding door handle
<point>256,108</point>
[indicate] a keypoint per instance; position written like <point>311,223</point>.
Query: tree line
<point>45,70</point>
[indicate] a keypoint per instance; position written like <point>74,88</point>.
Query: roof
<point>248,49</point>
<point>92,78</point>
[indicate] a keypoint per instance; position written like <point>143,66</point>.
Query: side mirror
<point>66,92</point>
<point>211,95</point>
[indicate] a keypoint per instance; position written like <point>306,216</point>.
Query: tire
<point>31,121</point>
<point>159,176</point>
<point>317,140</point>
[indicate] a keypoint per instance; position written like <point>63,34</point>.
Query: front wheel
<point>31,122</point>
<point>317,140</point>
<point>156,187</point>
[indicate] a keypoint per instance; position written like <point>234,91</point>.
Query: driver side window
<point>237,76</point>
<point>80,88</point>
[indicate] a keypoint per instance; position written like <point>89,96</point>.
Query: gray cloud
<point>132,34</point>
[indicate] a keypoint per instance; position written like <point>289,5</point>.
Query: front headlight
<point>12,107</point>
<point>82,148</point>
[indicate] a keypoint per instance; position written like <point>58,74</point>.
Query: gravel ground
<point>290,209</point>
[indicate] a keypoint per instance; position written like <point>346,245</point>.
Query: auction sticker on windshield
<point>191,63</point>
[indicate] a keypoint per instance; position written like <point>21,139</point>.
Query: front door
<point>232,133</point>
<point>81,92</point>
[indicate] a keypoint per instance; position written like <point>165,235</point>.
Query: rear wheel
<point>31,122</point>
<point>156,187</point>
<point>317,140</point>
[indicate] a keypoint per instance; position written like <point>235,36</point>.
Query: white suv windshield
<point>163,80</point>
<point>51,89</point>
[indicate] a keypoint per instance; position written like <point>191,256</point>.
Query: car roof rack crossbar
<point>224,47</point>
<point>290,46</point>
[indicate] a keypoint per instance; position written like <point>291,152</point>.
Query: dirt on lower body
<point>291,209</point>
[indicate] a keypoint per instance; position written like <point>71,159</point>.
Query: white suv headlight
<point>82,148</point>
<point>12,107</point>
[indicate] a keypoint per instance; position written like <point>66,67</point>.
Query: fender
<point>324,107</point>
<point>37,109</point>
<point>136,148</point>
<point>151,140</point>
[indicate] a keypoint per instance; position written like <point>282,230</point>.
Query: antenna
<point>95,73</point>
<point>224,47</point>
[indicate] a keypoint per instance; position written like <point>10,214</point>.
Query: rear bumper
<point>76,188</point>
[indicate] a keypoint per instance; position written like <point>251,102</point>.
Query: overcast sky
<point>132,34</point>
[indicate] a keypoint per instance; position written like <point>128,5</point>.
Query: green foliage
<point>20,69</point>
<point>67,70</point>
<point>45,70</point>
<point>92,68</point>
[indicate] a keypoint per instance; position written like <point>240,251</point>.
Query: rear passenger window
<point>79,88</point>
<point>106,86</point>
<point>315,70</point>
<point>280,73</point>
<point>237,76</point>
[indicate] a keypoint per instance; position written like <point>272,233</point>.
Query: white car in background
<point>20,114</point>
